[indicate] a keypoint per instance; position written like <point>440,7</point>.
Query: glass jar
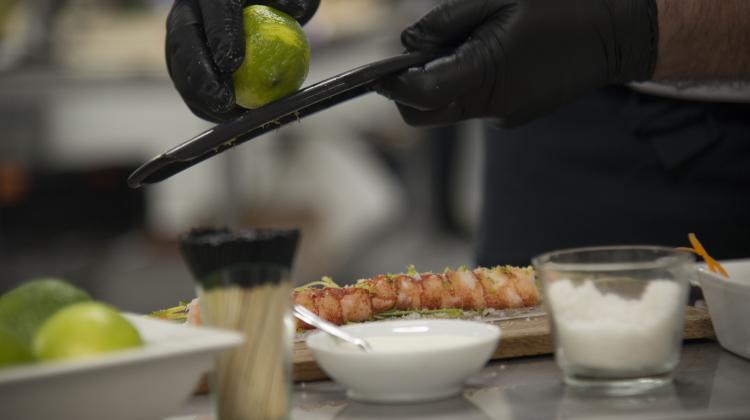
<point>616,314</point>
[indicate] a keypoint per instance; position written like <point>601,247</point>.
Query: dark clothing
<point>618,167</point>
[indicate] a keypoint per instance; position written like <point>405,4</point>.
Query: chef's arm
<point>703,39</point>
<point>515,60</point>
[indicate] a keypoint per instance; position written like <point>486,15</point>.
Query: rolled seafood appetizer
<point>474,290</point>
<point>463,289</point>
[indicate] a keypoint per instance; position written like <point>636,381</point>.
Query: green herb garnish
<point>325,281</point>
<point>176,313</point>
<point>364,284</point>
<point>437,313</point>
<point>411,271</point>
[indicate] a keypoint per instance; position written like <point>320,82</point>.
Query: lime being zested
<point>277,57</point>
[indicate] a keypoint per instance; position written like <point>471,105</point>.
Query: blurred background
<point>85,99</point>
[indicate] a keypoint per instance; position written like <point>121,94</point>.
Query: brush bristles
<point>211,252</point>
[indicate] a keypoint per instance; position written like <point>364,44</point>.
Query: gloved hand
<point>515,60</point>
<point>206,43</point>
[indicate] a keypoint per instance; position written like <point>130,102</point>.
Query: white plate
<point>146,383</point>
<point>728,301</point>
<point>418,368</point>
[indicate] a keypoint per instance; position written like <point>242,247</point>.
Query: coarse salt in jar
<point>616,314</point>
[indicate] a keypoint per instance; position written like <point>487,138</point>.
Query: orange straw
<point>697,248</point>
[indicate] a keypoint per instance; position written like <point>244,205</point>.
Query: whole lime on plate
<point>277,57</point>
<point>25,308</point>
<point>12,350</point>
<point>83,330</point>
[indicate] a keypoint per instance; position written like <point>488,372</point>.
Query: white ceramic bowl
<point>728,301</point>
<point>147,383</point>
<point>424,360</point>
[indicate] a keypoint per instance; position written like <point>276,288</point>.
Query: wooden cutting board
<point>520,337</point>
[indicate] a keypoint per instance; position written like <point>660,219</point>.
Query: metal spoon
<point>308,316</point>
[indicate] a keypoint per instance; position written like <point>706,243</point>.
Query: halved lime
<point>25,308</point>
<point>12,350</point>
<point>84,330</point>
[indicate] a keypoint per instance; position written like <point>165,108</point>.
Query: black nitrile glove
<point>514,60</point>
<point>206,43</point>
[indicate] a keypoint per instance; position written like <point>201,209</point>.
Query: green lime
<point>83,330</point>
<point>277,57</point>
<point>12,350</point>
<point>25,308</point>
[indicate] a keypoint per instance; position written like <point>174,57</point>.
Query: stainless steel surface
<point>307,316</point>
<point>710,383</point>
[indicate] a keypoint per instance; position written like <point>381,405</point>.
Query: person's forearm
<point>703,40</point>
